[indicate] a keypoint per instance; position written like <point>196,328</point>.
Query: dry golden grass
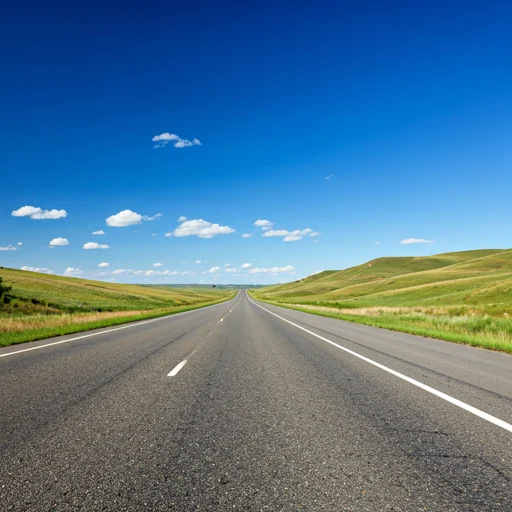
<point>27,322</point>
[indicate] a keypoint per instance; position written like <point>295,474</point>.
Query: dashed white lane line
<point>414,382</point>
<point>134,324</point>
<point>177,368</point>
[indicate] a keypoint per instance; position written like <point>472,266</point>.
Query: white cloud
<point>232,269</point>
<point>168,234</point>
<point>59,241</point>
<point>99,232</point>
<point>164,138</point>
<point>290,236</point>
<point>124,218</point>
<point>246,235</point>
<point>197,262</point>
<point>72,272</point>
<point>227,264</point>
<point>213,270</point>
<point>272,270</point>
<point>264,224</point>
<point>8,248</point>
<point>315,233</point>
<point>104,264</point>
<point>94,245</point>
<point>408,241</point>
<point>40,270</point>
<point>329,177</point>
<point>247,265</point>
<point>38,213</point>
<point>202,229</point>
<point>20,243</point>
<point>157,264</point>
<point>377,243</point>
<point>182,219</point>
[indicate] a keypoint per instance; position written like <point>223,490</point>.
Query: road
<point>268,413</point>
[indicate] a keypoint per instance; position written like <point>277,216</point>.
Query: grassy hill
<point>42,305</point>
<point>468,293</point>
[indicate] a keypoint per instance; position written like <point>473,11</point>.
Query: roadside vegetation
<point>465,297</point>
<point>35,306</point>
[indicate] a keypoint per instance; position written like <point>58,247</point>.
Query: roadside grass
<point>41,306</point>
<point>20,329</point>
<point>477,331</point>
<point>463,297</point>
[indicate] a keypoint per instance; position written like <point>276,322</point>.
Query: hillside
<point>464,297</point>
<point>41,305</point>
<point>33,291</point>
<point>469,277</point>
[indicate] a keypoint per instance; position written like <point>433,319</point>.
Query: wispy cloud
<point>408,241</point>
<point>8,248</point>
<point>165,138</point>
<point>247,265</point>
<point>104,264</point>
<point>377,243</point>
<point>201,228</point>
<point>291,236</point>
<point>273,270</point>
<point>246,235</point>
<point>43,270</point>
<point>99,232</point>
<point>157,264</point>
<point>329,177</point>
<point>37,213</point>
<point>94,245</point>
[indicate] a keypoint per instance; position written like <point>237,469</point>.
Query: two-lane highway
<point>247,406</point>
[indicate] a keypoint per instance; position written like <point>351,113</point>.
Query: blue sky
<point>406,106</point>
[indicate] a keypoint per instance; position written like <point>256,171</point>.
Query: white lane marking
<point>135,324</point>
<point>221,320</point>
<point>440,394</point>
<point>177,368</point>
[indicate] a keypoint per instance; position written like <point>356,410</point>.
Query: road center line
<point>440,394</point>
<point>177,368</point>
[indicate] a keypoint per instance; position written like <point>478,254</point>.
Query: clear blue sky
<point>407,106</point>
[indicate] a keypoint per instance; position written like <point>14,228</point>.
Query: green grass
<point>41,306</point>
<point>464,297</point>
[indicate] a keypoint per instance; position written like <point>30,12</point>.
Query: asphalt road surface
<point>288,412</point>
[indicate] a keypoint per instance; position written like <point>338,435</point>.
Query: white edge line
<point>177,368</point>
<point>134,324</point>
<point>440,394</point>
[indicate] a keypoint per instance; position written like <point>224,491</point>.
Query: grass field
<point>40,305</point>
<point>464,297</point>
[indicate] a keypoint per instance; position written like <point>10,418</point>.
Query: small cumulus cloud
<point>165,138</point>
<point>94,245</point>
<point>246,235</point>
<point>19,244</point>
<point>264,224</point>
<point>408,241</point>
<point>56,242</point>
<point>157,264</point>
<point>201,228</point>
<point>104,264</point>
<point>247,265</point>
<point>72,272</point>
<point>99,232</point>
<point>212,270</point>
<point>37,213</point>
<point>197,262</point>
